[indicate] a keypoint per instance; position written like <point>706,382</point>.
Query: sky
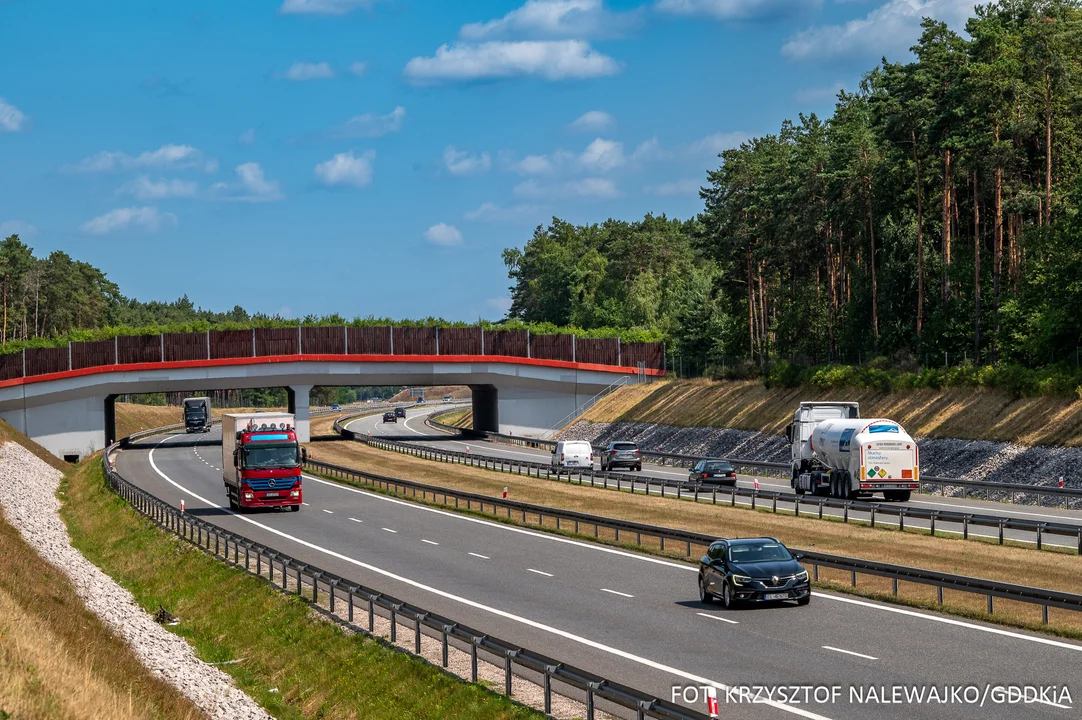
<point>374,157</point>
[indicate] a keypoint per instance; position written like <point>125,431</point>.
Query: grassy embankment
<point>57,659</point>
<point>965,412</point>
<point>292,662</point>
<point>1021,565</point>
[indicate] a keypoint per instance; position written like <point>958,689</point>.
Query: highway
<point>413,429</point>
<point>632,618</point>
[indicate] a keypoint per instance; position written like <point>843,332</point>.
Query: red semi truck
<point>261,461</point>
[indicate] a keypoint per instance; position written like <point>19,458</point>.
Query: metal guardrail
<point>295,575</point>
<point>573,521</point>
<point>1012,491</point>
<point>683,489</point>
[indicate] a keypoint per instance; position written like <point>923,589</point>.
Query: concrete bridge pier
<point>298,405</point>
<point>528,411</point>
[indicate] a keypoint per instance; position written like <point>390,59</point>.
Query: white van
<point>573,453</point>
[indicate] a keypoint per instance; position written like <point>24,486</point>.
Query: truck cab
<point>261,461</point>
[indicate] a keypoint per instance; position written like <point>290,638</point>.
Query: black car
<point>752,570</point>
<point>720,472</point>
<point>621,454</point>
<point>390,417</point>
<point>400,412</point>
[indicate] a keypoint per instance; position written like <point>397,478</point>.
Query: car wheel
<point>727,596</point>
<point>294,508</point>
<point>704,595</point>
<point>804,600</point>
<point>233,504</point>
<point>638,468</point>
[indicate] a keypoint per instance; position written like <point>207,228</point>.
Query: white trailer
<point>835,452</point>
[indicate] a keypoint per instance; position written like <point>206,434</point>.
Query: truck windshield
<point>194,412</point>
<point>267,457</point>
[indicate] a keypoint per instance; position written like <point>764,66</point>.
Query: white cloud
<point>555,19</point>
<point>144,188</point>
<point>602,155</point>
<point>371,126</point>
<point>890,28</point>
<point>301,71</point>
<point>533,165</point>
<point>649,150</point>
<point>17,227</point>
<point>251,186</point>
<point>491,212</point>
<point>500,304</point>
<point>460,162</point>
<point>12,119</point>
<point>552,60</point>
<point>737,9</point>
<point>145,218</point>
<point>679,187</point>
<point>444,234</point>
<point>247,137</point>
<point>347,169</point>
<point>322,7</point>
<point>358,68</point>
<point>177,157</point>
<point>593,121</point>
<point>714,144</point>
<point>585,187</point>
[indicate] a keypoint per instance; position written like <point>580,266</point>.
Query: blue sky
<point>375,156</point>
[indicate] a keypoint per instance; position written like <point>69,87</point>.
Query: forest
<point>934,215</point>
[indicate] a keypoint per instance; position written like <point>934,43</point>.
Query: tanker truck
<point>835,452</point>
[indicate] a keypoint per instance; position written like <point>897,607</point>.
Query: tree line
<point>936,210</point>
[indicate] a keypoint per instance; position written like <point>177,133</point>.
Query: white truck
<point>837,453</point>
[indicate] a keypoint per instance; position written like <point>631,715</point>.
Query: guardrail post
<point>894,586</point>
<point>446,629</point>
<point>990,606</point>
<point>507,673</point>
<point>901,519</point>
<point>931,521</point>
<point>473,658</point>
<point>371,614</point>
<point>871,514</point>
<point>1044,614</point>
<point>417,635</point>
<point>394,621</point>
<point>1040,528</point>
<point>549,669</point>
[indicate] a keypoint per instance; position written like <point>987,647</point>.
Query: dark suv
<point>752,570</point>
<point>720,472</point>
<point>390,417</point>
<point>621,454</point>
<point>400,412</point>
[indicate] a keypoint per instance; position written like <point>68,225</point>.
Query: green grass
<point>295,665</point>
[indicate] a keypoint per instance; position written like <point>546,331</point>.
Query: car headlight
<point>801,576</point>
<point>741,579</point>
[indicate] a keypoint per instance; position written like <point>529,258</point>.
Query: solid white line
<point>951,621</point>
<point>850,652</point>
<point>483,557</point>
<point>390,530</point>
<point>540,572</point>
<point>616,592</point>
<point>485,608</point>
<point>715,617</point>
<point>329,512</point>
<point>356,520</point>
<point>429,542</point>
<point>302,502</point>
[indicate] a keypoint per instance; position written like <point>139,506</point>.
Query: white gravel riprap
<point>28,497</point>
<point>939,457</point>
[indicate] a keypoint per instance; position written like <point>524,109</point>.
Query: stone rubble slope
<point>28,498</point>
<point>939,457</point>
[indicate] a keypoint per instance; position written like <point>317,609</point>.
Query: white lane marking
<point>429,542</point>
<point>356,520</point>
<point>485,608</point>
<point>849,652</point>
<point>390,530</point>
<point>951,621</point>
<point>539,572</point>
<point>483,557</point>
<point>715,617</point>
<point>302,502</point>
<point>329,512</point>
<point>616,592</point>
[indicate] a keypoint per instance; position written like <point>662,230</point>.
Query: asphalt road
<point>632,618</point>
<point>413,429</point>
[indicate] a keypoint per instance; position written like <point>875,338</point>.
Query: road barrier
<point>580,524</point>
<point>1016,493</point>
<point>347,597</point>
<point>806,504</point>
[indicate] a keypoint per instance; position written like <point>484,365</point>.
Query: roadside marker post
<point>505,493</point>
<point>712,701</point>
<point>182,504</point>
